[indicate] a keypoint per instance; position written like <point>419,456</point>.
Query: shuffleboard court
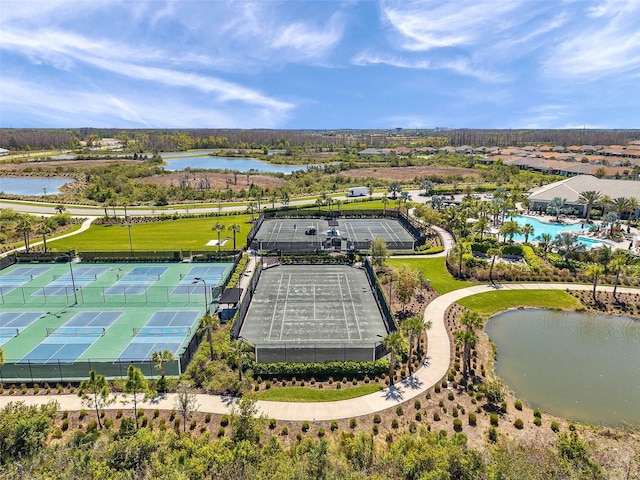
<point>315,307</point>
<point>337,234</point>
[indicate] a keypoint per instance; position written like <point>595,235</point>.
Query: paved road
<point>432,372</point>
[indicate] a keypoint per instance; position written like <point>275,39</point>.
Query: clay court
<point>313,313</point>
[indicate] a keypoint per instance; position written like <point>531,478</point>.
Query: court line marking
<point>344,308</point>
<point>284,310</point>
<point>275,305</point>
<point>353,306</point>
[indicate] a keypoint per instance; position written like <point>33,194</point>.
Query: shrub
<point>377,418</point>
<point>176,424</point>
<point>163,425</point>
<point>436,416</point>
<point>493,419</point>
<point>334,425</point>
<point>321,432</point>
<point>473,419</point>
<point>207,418</point>
<point>437,388</point>
<point>394,423</point>
<point>220,432</point>
<point>192,425</point>
<point>375,430</point>
<point>272,424</point>
<point>493,434</point>
<point>555,427</point>
<point>537,421</point>
<point>418,417</point>
<point>417,405</point>
<point>143,421</point>
<point>389,438</point>
<point>82,414</point>
<point>457,424</point>
<point>57,433</point>
<point>267,384</point>
<point>518,424</point>
<point>65,414</point>
<point>108,423</point>
<point>450,396</point>
<point>518,405</point>
<point>299,437</point>
<point>399,411</point>
<point>537,413</point>
<point>118,413</point>
<point>305,426</point>
<point>353,423</point>
<point>285,431</point>
<point>65,425</point>
<point>224,420</point>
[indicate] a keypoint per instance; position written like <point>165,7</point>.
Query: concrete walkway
<point>432,372</point>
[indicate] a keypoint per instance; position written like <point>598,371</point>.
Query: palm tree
<point>235,229</point>
<point>385,200</point>
<point>44,229</point>
<point>567,243</point>
<point>208,324</point>
<point>620,205</point>
<point>527,231</point>
<point>604,255</point>
<point>437,201</point>
<point>481,226</point>
<point>633,206</point>
<point>459,249</point>
<point>395,188</point>
<point>24,226</point>
<point>493,253</point>
<point>251,208</point>
<point>242,351</point>
<point>396,344</point>
<point>589,199</point>
<point>405,198</point>
<point>218,228</point>
<point>509,229</point>
<point>556,207</point>
<point>545,241</point>
<point>284,197</point>
<point>427,186</point>
<point>413,328</point>
<point>60,208</point>
<point>620,259</point>
<point>467,338</point>
<point>594,272</point>
<point>159,359</point>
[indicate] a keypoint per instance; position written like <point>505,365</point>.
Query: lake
<point>32,186</point>
<point>177,161</point>
<point>579,366</point>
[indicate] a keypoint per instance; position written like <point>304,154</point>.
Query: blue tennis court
<point>136,282</point>
<point>189,285</point>
<point>66,343</point>
<point>63,285</point>
<point>19,276</point>
<point>12,323</point>
<point>165,330</point>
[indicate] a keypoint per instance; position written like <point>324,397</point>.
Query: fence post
<point>30,372</point>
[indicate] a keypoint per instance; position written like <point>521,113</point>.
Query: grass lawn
<point>185,234</point>
<point>490,303</point>
<point>303,394</point>
<point>435,270</point>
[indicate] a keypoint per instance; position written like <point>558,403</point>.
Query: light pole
<point>73,282</point>
<point>206,298</point>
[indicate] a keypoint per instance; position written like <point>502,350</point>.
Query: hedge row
<point>323,369</point>
<point>534,262</point>
<point>238,271</point>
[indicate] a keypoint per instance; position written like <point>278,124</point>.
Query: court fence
<point>318,352</point>
<point>96,296</point>
<point>246,300</point>
<point>64,372</point>
<point>114,256</point>
<point>8,261</point>
<point>378,294</point>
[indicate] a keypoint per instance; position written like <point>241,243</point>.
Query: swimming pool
<point>554,229</point>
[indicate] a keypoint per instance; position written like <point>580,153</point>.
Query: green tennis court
<point>58,321</point>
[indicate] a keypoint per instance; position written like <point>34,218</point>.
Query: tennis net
<point>9,332</point>
<point>76,331</point>
<point>161,331</point>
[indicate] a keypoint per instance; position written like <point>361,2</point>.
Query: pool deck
<point>631,242</point>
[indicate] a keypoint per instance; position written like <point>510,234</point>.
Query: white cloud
<point>606,46</point>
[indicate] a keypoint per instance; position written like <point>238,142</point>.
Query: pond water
<point>32,186</point>
<point>578,366</point>
<point>177,161</point>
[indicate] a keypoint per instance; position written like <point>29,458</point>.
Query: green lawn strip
<point>433,269</point>
<point>490,303</point>
<point>303,394</point>
<point>185,234</point>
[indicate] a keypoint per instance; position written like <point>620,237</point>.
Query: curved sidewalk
<point>439,351</point>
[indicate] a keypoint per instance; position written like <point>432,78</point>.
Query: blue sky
<point>320,64</point>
